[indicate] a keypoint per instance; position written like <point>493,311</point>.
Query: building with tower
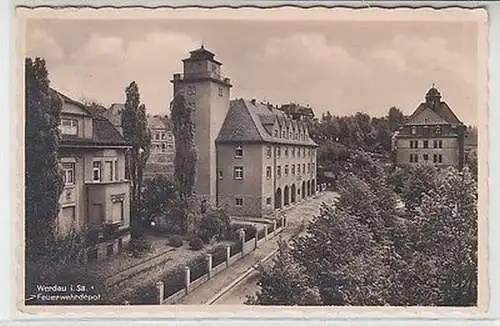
<point>253,158</point>
<point>207,93</point>
<point>432,134</point>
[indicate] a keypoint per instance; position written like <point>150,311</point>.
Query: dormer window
<point>413,130</point>
<point>69,127</point>
<point>438,130</point>
<point>238,151</point>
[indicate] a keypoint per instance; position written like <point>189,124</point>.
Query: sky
<point>337,66</point>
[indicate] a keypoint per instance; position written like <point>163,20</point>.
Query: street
<point>233,284</point>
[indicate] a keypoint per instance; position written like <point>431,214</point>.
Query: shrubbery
<point>214,225</point>
<point>175,241</point>
<point>138,247</point>
<point>196,243</point>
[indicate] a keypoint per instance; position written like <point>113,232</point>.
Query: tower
<point>207,93</point>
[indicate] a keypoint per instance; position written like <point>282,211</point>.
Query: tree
<point>395,118</point>
<point>214,225</point>
<point>160,203</point>
<point>44,180</point>
<point>185,155</point>
<point>135,130</point>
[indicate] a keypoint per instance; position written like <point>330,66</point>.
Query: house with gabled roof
<point>95,201</point>
<point>432,134</point>
<point>266,160</point>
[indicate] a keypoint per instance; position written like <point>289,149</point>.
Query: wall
<point>449,151</point>
<point>249,188</point>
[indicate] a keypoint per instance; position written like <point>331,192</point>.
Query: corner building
<point>265,160</point>
<point>431,135</point>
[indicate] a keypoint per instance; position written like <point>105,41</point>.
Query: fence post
<point>228,255</point>
<point>242,241</point>
<point>161,291</point>
<point>187,278</point>
<point>265,232</point>
<point>256,239</point>
<point>209,265</point>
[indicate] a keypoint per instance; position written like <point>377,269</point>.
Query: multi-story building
<point>207,94</point>
<point>162,154</point>
<point>96,197</point>
<point>431,135</point>
<point>265,160</point>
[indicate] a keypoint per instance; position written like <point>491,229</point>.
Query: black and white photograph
<point>249,157</point>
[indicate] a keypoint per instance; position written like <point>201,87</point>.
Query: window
<point>440,158</point>
<point>304,152</point>
<point>163,136</point>
<point>238,152</point>
<point>308,167</point>
<point>426,157</point>
<point>438,130</point>
<point>238,201</point>
<point>163,147</point>
<point>413,130</point>
<point>69,173</point>
<point>238,172</point>
<point>304,168</point>
<point>426,144</point>
<point>298,168</point>
<point>435,144</point>
<point>411,158</point>
<point>415,157</point>
<point>220,175</point>
<point>118,211</point>
<point>278,171</point>
<point>268,201</point>
<point>440,144</point>
<point>435,158</point>
<point>268,152</point>
<point>286,151</point>
<point>221,91</point>
<point>116,169</point>
<point>293,169</point>
<point>278,151</point>
<point>96,171</point>
<point>69,126</point>
<point>286,170</point>
<point>287,132</point>
<point>157,136</point>
<point>109,170</point>
<point>68,215</point>
<point>268,173</point>
<point>415,144</point>
<point>293,151</point>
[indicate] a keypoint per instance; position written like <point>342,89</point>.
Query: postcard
<point>279,162</point>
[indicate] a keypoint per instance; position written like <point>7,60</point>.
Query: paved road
<point>221,285</point>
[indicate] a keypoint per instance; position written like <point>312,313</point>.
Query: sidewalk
<point>295,216</point>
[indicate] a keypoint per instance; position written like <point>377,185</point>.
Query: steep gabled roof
<point>248,121</point>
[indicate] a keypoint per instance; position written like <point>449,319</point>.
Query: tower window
<point>238,172</point>
<point>221,91</point>
<point>238,152</point>
<point>268,151</point>
<point>268,173</point>
<point>191,90</point>
<point>278,171</point>
<point>238,201</point>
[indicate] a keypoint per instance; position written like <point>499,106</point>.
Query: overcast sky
<point>340,66</point>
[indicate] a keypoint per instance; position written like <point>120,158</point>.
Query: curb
<point>240,278</point>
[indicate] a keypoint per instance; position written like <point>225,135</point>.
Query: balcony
<point>202,75</point>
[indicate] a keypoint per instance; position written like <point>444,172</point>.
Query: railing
<point>204,74</point>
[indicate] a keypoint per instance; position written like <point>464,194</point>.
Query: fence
<point>181,281</point>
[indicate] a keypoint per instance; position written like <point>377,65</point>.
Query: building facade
<point>207,93</point>
<point>162,153</point>
<point>96,197</point>
<point>431,135</point>
<point>265,160</point>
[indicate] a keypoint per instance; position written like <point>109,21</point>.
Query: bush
<point>175,241</point>
<point>214,225</point>
<point>196,243</point>
<point>250,231</point>
<point>138,247</point>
